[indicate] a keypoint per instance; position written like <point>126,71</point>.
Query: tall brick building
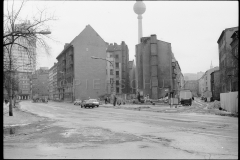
<point>120,57</point>
<point>80,76</point>
<point>155,67</point>
<point>226,65</point>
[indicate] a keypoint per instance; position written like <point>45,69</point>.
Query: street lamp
<point>111,62</point>
<point>102,59</point>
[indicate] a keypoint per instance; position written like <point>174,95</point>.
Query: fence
<point>229,101</point>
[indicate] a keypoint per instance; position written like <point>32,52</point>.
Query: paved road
<point>104,132</point>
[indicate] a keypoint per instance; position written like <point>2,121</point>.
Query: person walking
<point>114,100</point>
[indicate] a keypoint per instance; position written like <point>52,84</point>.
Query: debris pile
<point>215,105</point>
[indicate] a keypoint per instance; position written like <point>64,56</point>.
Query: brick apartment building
<point>215,85</point>
<point>80,76</point>
<point>52,82</point>
<point>118,74</point>
<point>234,70</point>
<point>226,60</point>
<point>155,67</point>
<point>132,79</point>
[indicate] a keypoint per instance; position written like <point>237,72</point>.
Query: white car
<point>77,102</point>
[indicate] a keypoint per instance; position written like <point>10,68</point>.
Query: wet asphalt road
<point>106,132</point>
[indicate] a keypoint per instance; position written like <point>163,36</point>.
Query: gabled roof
<point>224,32</point>
<point>90,27</point>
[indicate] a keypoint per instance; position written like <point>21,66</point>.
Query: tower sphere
<point>139,7</point>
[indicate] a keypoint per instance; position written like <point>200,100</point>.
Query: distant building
<point>40,82</point>
<point>199,75</point>
<point>215,85</point>
<point>156,71</point>
<point>80,76</point>
<point>132,79</point>
<point>226,61</point>
<point>118,54</point>
<point>52,81</point>
<point>193,86</point>
<point>235,71</point>
<point>24,79</point>
<point>205,81</point>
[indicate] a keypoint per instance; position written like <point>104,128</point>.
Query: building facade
<point>225,58</point>
<point>234,55</point>
<point>65,74</point>
<point>155,67</point>
<point>215,85</point>
<point>192,85</point>
<point>132,79</point>
<point>25,87</point>
<point>79,75</point>
<point>205,81</point>
<point>52,78</point>
<point>118,73</point>
<point>40,82</point>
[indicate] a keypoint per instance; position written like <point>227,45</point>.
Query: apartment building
<point>205,81</point>
<point>226,60</point>
<point>155,67</point>
<point>24,82</point>
<point>79,75</point>
<point>118,72</point>
<point>52,81</point>
<point>132,79</point>
<point>215,85</point>
<point>40,82</point>
<point>234,55</point>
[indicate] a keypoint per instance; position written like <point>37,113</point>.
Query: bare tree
<point>23,35</point>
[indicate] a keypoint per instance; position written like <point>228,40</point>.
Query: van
<point>185,97</point>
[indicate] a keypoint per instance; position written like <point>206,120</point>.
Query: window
<point>117,72</point>
<point>117,89</point>
<point>116,56</point>
<point>117,65</point>
<point>117,82</point>
<point>111,71</point>
<point>111,80</point>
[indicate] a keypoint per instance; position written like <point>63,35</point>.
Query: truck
<point>185,97</point>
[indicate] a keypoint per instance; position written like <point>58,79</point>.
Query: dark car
<point>91,103</point>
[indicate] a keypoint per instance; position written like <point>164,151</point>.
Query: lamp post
<point>93,57</point>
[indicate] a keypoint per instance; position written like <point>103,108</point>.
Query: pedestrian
<point>114,100</point>
<point>106,100</point>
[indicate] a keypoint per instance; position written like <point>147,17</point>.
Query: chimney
<point>66,44</point>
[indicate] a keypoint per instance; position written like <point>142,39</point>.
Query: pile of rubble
<point>215,105</point>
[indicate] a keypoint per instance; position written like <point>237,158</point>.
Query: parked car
<point>77,102</point>
<point>91,103</point>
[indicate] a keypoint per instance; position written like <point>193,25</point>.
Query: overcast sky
<point>192,28</point>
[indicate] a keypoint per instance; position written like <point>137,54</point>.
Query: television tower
<point>139,8</point>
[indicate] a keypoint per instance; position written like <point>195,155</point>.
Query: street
<point>69,131</point>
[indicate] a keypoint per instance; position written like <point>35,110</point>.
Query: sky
<point>192,27</point>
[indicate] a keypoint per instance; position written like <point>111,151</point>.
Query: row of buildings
<point>224,78</point>
<point>90,67</point>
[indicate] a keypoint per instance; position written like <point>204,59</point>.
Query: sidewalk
<point>19,118</point>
